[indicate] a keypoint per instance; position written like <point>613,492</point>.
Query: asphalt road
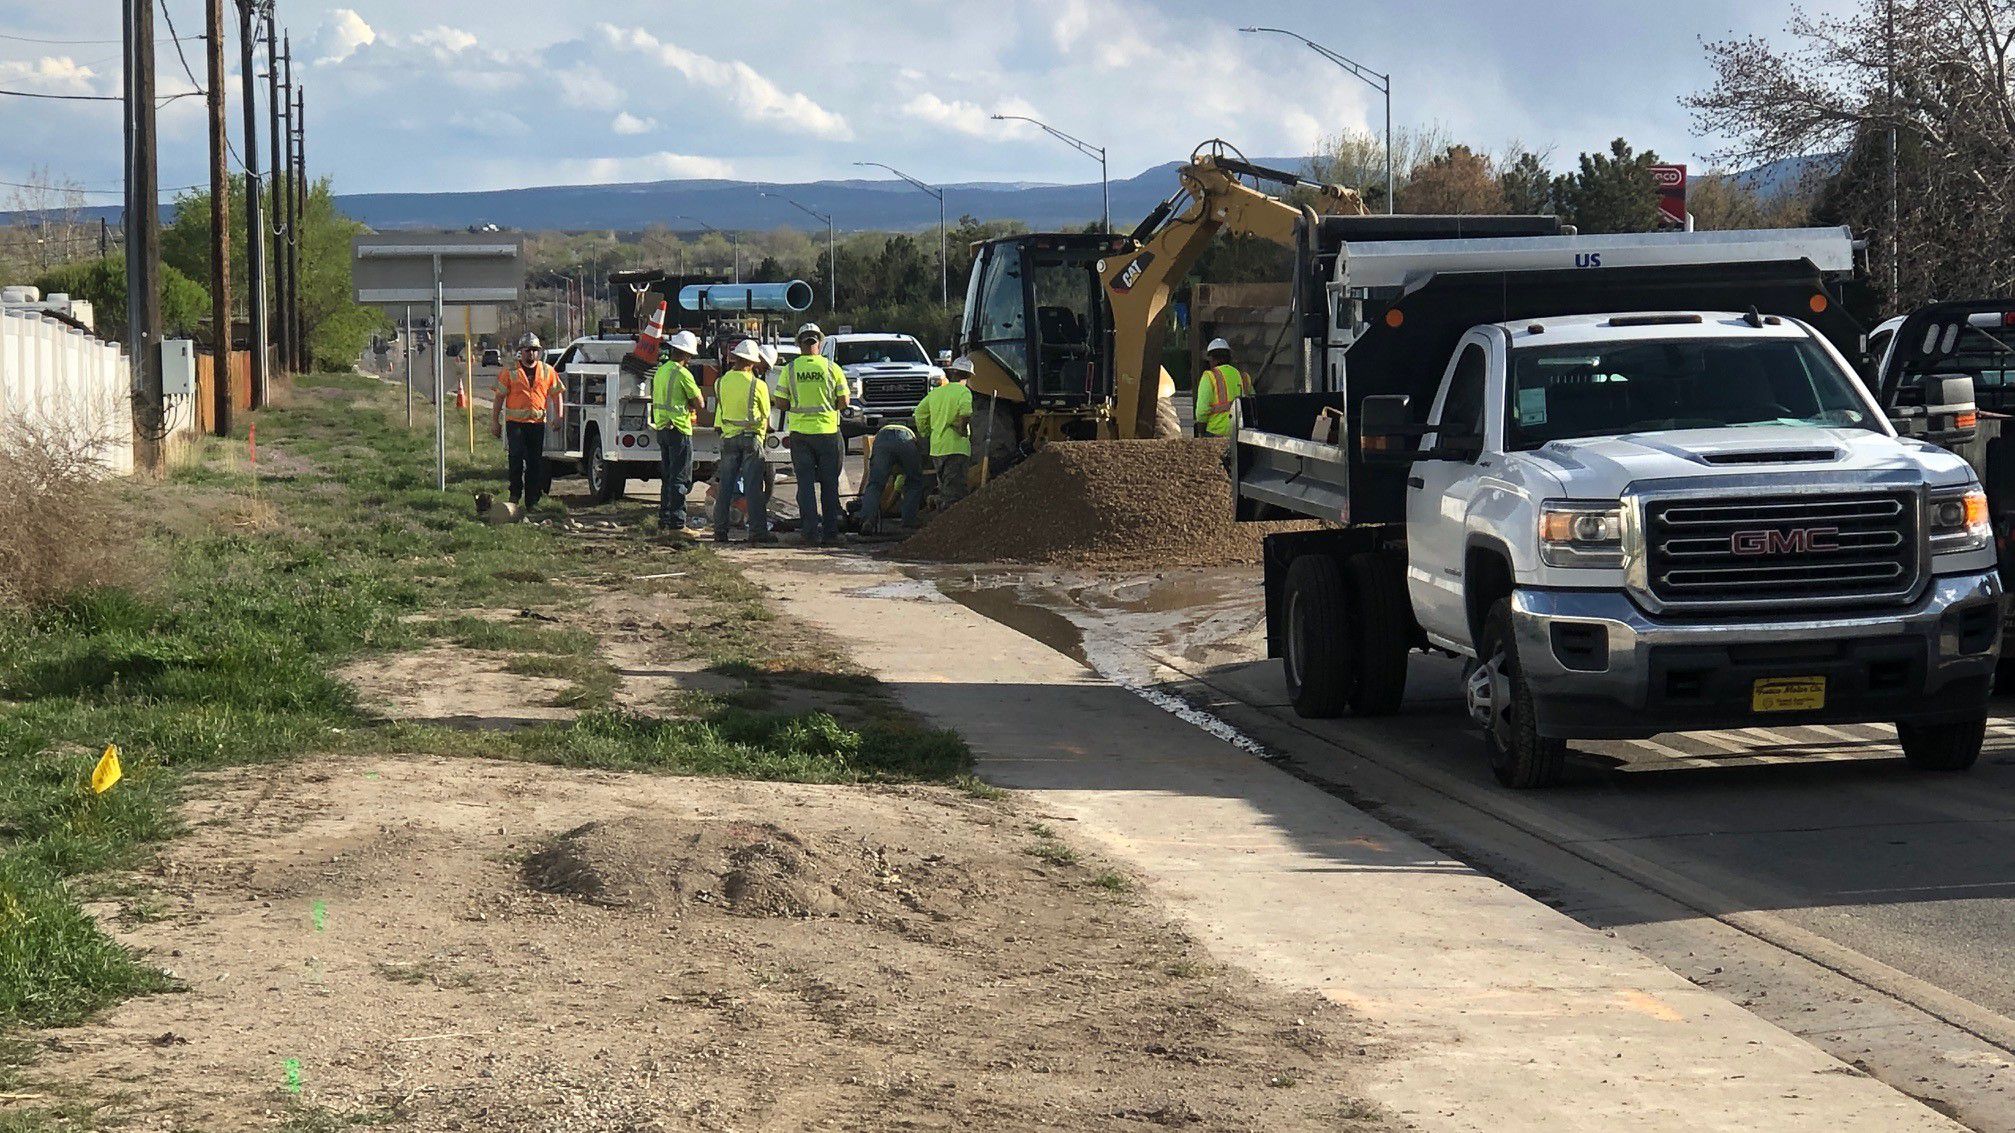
<point>1807,873</point>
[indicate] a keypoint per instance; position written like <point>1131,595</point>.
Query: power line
<point>88,192</point>
<point>98,97</point>
<point>177,41</point>
<point>82,42</point>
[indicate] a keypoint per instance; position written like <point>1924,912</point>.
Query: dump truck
<point>1636,483</point>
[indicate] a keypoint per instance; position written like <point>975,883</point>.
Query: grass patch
<point>1112,882</point>
<point>340,549</point>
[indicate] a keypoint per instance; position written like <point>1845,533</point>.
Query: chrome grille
<point>893,393</point>
<point>1833,549</point>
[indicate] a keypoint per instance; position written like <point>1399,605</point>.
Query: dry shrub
<point>60,527</point>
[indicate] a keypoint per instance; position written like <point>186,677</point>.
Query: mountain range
<point>854,205</point>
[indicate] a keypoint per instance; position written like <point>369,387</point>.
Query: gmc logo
<point>1797,541</point>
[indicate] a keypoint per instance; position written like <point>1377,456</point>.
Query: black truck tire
<point>1317,659</point>
<point>605,481</point>
<point>1943,747</point>
<point>1379,633</point>
<point>1167,422</point>
<point>1519,756</point>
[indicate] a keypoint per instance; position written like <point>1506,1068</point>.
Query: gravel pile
<point>1101,504</point>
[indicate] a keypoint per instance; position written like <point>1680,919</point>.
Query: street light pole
<point>944,263</point>
<point>832,250</point>
<point>734,236</point>
<point>1083,147</point>
<point>1378,82</point>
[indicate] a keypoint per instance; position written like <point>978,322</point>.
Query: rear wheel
<point>1317,660</point>
<point>996,435</point>
<point>1167,424</point>
<point>1500,701</point>
<point>605,481</point>
<point>1942,747</point>
<point>1378,632</point>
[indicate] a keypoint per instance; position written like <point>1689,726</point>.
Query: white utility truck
<point>1635,482</point>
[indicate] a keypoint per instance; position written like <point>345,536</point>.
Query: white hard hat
<point>1218,346</point>
<point>770,355</point>
<point>530,341</point>
<point>811,329</point>
<point>747,351</point>
<point>963,364</point>
<point>685,342</point>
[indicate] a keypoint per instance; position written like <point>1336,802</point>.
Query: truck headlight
<point>1581,535</point>
<point>1959,522</point>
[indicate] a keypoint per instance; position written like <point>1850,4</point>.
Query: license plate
<point>1788,694</point>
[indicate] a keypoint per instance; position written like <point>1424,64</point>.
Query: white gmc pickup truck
<point>1625,521</point>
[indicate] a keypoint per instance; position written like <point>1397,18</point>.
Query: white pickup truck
<point>1637,498</point>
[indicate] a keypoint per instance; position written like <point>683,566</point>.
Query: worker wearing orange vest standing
<point>1216,390</point>
<point>526,393</point>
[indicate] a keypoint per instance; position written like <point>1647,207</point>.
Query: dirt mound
<point>1101,504</point>
<point>749,869</point>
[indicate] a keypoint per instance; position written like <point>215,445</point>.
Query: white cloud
<point>756,97</point>
<point>340,35</point>
<point>588,88</point>
<point>444,42</point>
<point>628,123</point>
<point>648,167</point>
<point>51,74</point>
<point>965,117</point>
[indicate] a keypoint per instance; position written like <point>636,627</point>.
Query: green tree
<point>1612,192</point>
<point>1526,186</point>
<point>336,328</point>
<point>185,304</point>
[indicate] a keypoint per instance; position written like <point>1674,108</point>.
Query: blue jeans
<point>893,454</point>
<point>675,477</point>
<point>741,473</point>
<point>815,458</point>
<point>525,442</point>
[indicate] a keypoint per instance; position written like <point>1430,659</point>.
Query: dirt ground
<point>467,944</point>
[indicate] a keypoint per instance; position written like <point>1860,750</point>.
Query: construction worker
<point>1216,390</point>
<point>894,453</point>
<point>525,394</point>
<point>742,414</point>
<point>813,391</point>
<point>944,419</point>
<point>675,398</point>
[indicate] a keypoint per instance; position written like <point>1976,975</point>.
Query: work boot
<point>764,539</point>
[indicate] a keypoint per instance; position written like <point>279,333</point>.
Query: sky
<point>486,94</point>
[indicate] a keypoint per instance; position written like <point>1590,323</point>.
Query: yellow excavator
<point>1066,330</point>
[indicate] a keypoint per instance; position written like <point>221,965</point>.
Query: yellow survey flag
<point>108,770</point>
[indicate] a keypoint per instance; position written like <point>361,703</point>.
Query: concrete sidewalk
<point>1501,1014</point>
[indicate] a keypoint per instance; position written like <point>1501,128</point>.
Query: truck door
<point>1439,494</point>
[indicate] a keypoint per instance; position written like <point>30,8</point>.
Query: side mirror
<point>1950,415</point>
<point>1385,430</point>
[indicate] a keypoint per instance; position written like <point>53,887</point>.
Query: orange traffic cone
<point>643,359</point>
<point>461,395</point>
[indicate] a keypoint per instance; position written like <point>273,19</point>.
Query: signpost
<point>443,269</point>
<point>1671,183</point>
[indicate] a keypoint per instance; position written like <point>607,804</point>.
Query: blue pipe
<point>794,296</point>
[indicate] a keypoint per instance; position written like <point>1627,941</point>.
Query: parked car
<point>492,356</point>
<point>888,373</point>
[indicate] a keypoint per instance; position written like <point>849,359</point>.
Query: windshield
<point>1606,389</point>
<point>878,350</point>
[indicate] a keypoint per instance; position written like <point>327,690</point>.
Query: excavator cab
<point>1037,322</point>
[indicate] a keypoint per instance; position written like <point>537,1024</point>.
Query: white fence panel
<point>55,376</point>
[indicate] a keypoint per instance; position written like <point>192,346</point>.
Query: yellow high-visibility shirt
<point>1215,391</point>
<point>945,417</point>
<point>743,404</point>
<point>673,392</point>
<point>813,385</point>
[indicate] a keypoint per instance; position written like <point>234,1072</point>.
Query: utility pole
<point>220,230</point>
<point>143,242</point>
<point>277,105</point>
<point>298,226</point>
<point>255,222</point>
<point>1895,209</point>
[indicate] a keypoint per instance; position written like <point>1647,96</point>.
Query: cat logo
<point>1131,273</point>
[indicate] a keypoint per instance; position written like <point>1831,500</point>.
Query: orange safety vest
<point>525,398</point>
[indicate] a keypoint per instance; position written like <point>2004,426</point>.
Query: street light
<point>832,251</point>
<point>1378,82</point>
<point>1083,147</point>
<point>944,270</point>
<point>735,236</point>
